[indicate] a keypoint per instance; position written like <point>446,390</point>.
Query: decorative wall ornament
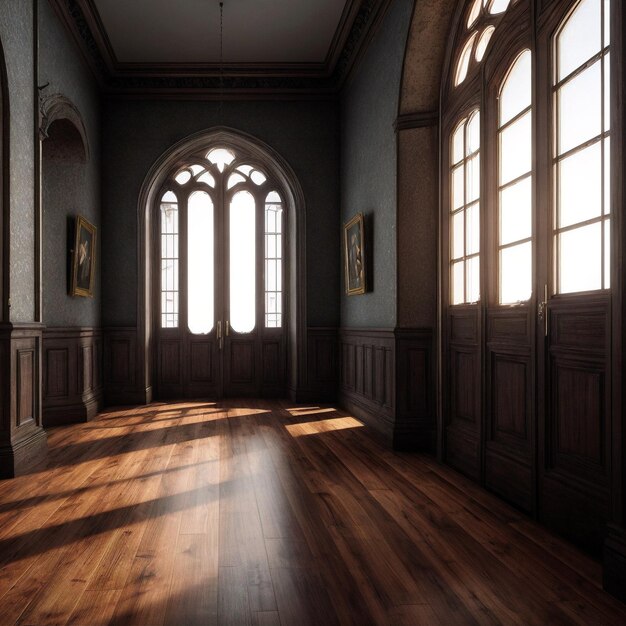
<point>354,255</point>
<point>55,107</point>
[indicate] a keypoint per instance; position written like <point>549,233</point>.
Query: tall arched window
<point>220,250</point>
<point>526,243</point>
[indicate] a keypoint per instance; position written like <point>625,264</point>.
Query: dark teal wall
<point>69,188</point>
<point>16,36</point>
<point>369,107</point>
<point>137,132</point>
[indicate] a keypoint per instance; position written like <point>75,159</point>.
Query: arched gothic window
<point>220,250</point>
<point>526,253</point>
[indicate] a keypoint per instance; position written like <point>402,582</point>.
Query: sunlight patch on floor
<point>314,428</point>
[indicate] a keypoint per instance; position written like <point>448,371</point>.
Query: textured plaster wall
<point>69,188</point>
<point>369,107</point>
<point>137,132</point>
<point>16,36</point>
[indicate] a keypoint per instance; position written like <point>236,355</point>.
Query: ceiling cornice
<point>358,22</point>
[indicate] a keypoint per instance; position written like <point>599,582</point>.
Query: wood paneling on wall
<point>122,381</point>
<point>386,379</point>
<point>72,375</point>
<point>22,438</point>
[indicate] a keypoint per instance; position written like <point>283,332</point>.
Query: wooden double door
<point>219,295</point>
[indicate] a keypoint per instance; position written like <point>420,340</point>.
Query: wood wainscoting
<point>386,377</point>
<point>72,375</point>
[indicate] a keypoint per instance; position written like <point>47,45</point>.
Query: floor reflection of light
<point>323,426</point>
<point>310,411</point>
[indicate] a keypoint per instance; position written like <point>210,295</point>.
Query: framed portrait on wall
<point>83,258</point>
<point>354,255</point>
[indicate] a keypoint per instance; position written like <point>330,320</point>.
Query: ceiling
<point>173,46</point>
<point>188,31</point>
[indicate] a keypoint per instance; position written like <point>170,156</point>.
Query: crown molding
<point>205,80</point>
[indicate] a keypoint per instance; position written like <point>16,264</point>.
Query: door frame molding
<point>295,207</point>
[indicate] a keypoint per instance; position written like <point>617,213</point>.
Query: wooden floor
<point>261,513</point>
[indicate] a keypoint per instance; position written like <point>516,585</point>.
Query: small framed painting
<point>354,255</point>
<point>83,258</point>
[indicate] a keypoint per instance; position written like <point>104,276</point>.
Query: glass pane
<point>207,179</point>
<point>607,254</point>
<point>473,179</point>
<point>273,197</point>
<point>245,169</point>
<point>464,61</point>
<point>483,42</point>
<point>607,176</point>
<point>516,91</point>
<point>458,140</point>
<point>200,270</point>
<point>580,109</point>
<point>473,133</point>
<point>183,177</point>
<point>474,12</point>
<point>580,186</point>
<point>169,196</point>
<point>473,230</point>
<point>499,6</point>
<point>516,274</point>
<point>458,290</point>
<point>516,149</point>
<point>473,279</point>
<point>516,212</point>
<point>580,259</point>
<point>580,38</point>
<point>607,22</point>
<point>196,169</point>
<point>242,262</point>
<point>235,179</point>
<point>221,158</point>
<point>257,177</point>
<point>607,93</point>
<point>458,190</point>
<point>458,232</point>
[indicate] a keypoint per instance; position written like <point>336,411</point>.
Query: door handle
<point>219,335</point>
<point>542,312</point>
<point>227,328</point>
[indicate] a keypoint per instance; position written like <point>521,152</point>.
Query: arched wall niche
<point>296,247</point>
<point>61,120</point>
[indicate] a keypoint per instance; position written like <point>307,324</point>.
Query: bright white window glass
<point>580,186</point>
<point>207,179</point>
<point>483,42</point>
<point>242,262</point>
<point>258,178</point>
<point>474,12</point>
<point>580,108</point>
<point>183,177</point>
<point>516,149</point>
<point>220,157</point>
<point>458,289</point>
<point>196,169</point>
<point>607,176</point>
<point>458,187</point>
<point>607,23</point>
<point>515,212</point>
<point>169,260</point>
<point>473,134</point>
<point>472,191</point>
<point>472,217</point>
<point>235,179</point>
<point>464,61</point>
<point>458,230</point>
<point>581,37</point>
<point>273,264</point>
<point>499,6</point>
<point>473,279</point>
<point>607,93</point>
<point>458,144</point>
<point>515,200</point>
<point>607,254</point>
<point>200,260</point>
<point>516,92</point>
<point>580,267</point>
<point>516,273</point>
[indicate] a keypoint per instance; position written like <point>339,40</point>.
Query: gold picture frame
<point>354,255</point>
<point>83,258</point>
